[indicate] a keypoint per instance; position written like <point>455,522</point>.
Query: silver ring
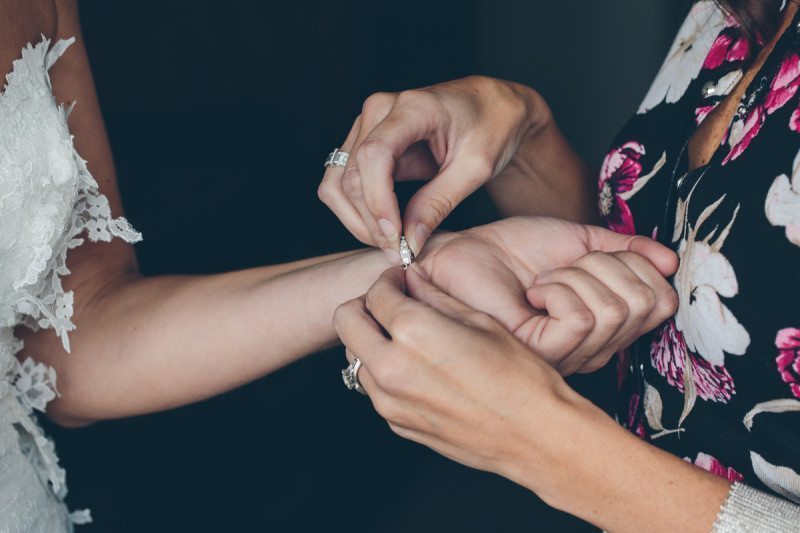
<point>337,158</point>
<point>350,376</point>
<point>406,253</point>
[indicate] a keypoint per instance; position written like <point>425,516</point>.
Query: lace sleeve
<point>749,510</point>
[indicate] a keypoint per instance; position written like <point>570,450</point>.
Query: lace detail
<point>35,254</point>
<point>49,202</point>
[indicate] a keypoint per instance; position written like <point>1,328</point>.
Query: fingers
<point>664,259</point>
<point>386,299</point>
<point>384,229</point>
<point>364,376</point>
<point>564,326</point>
<point>421,289</point>
<point>332,194</point>
<point>359,331</point>
<point>378,154</point>
<point>666,299</point>
<point>627,297</point>
<point>436,199</point>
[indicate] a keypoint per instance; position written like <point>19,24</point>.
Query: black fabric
<point>760,254</point>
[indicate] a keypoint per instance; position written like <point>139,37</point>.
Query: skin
<point>460,381</point>
<point>606,290</point>
<point>456,380</point>
<point>136,349</point>
<point>456,136</point>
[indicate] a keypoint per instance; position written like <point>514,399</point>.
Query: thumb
<point>664,259</point>
<point>436,199</point>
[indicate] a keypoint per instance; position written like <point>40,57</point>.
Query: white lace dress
<point>48,200</point>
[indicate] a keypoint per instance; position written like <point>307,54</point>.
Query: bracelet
<point>749,510</point>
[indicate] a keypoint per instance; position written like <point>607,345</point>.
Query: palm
<point>490,268</point>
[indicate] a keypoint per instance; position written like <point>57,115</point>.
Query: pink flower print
<point>669,355</point>
<point>788,361</point>
<point>620,179</point>
<point>712,464</point>
<point>743,131</point>
<point>784,85</point>
<point>702,112</point>
<point>730,45</point>
<point>794,120</point>
<point>782,88</point>
<point>635,421</point>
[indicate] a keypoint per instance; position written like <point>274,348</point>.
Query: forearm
<point>147,344</point>
<point>615,480</point>
<point>546,176</point>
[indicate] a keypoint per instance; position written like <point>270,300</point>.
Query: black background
<point>220,115</point>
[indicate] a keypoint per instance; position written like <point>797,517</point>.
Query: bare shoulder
<point>23,22</point>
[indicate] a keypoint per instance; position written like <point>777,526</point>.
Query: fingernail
<point>389,230</point>
<point>393,255</point>
<point>418,238</point>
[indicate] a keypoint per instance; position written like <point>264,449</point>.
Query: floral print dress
<point>719,383</point>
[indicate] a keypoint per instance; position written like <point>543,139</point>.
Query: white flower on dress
<point>708,326</point>
<point>692,357</point>
<point>686,56</point>
<point>780,479</point>
<point>783,203</point>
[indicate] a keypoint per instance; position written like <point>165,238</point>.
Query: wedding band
<point>406,254</point>
<point>350,376</point>
<point>337,158</point>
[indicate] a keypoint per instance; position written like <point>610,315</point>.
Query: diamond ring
<point>337,158</point>
<point>350,376</point>
<point>406,254</point>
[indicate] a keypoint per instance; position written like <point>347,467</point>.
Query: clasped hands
<point>458,348</point>
<point>465,351</point>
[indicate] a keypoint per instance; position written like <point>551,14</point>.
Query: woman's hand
<point>455,380</point>
<point>575,294</point>
<point>443,374</point>
<point>458,135</point>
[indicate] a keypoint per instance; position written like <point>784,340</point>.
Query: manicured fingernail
<point>389,231</point>
<point>393,255</point>
<point>418,238</point>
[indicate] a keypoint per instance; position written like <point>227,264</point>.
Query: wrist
<point>543,459</point>
<point>591,467</point>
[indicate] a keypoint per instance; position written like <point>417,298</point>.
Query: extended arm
<point>144,344</point>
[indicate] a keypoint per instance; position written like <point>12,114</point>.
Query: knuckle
<point>582,321</point>
<point>668,303</point>
<point>340,313</point>
<point>405,327</point>
<point>391,377</point>
<point>377,103</point>
<point>351,183</point>
<point>592,258</point>
<point>644,298</point>
<point>614,312</point>
<point>439,206</point>
<point>325,192</point>
<point>373,148</point>
<point>415,97</point>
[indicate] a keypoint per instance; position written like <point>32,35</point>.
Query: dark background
<point>220,115</point>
